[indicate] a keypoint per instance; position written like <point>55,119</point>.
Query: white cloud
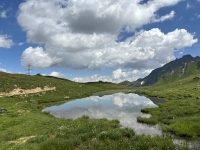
<point>21,43</point>
<point>3,70</point>
<point>82,34</point>
<point>189,6</point>
<point>5,41</point>
<point>37,57</point>
<point>147,49</point>
<point>117,76</point>
<point>57,74</point>
<point>88,17</point>
<point>163,18</point>
<point>3,14</point>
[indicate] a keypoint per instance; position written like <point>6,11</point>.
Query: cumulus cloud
<point>57,74</point>
<point>5,41</point>
<point>83,34</point>
<point>147,49</point>
<point>117,76</point>
<point>3,14</point>
<point>37,57</point>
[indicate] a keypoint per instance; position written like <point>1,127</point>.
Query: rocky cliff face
<point>169,67</point>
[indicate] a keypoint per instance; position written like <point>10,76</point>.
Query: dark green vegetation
<point>180,114</point>
<point>155,75</point>
<point>24,126</point>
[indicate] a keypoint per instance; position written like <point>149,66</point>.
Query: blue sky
<point>92,40</point>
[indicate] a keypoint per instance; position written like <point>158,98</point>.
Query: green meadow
<point>180,114</point>
<point>26,127</point>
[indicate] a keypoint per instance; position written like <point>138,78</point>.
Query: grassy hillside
<point>65,89</point>
<point>178,73</point>
<point>156,74</point>
<point>25,127</point>
<point>180,114</point>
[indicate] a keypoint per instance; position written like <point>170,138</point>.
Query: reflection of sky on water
<point>124,107</point>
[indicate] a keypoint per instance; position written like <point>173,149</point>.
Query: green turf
<point>180,114</point>
<point>25,127</point>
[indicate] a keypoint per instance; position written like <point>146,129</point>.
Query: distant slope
<point>64,89</point>
<point>178,73</point>
<point>154,76</point>
<point>127,83</point>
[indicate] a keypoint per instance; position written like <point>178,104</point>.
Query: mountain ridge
<point>154,76</point>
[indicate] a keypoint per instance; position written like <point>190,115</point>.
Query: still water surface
<point>124,107</point>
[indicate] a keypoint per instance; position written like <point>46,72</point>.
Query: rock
<point>197,77</point>
<point>198,97</point>
<point>3,110</point>
<point>66,97</point>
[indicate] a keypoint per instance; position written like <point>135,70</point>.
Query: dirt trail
<point>19,91</point>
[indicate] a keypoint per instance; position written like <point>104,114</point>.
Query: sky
<point>96,40</point>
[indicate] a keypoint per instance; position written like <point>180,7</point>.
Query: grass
<point>24,126</point>
<point>180,114</point>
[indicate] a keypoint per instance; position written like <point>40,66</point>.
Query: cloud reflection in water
<point>124,107</point>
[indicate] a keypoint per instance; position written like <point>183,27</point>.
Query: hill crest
<point>154,76</point>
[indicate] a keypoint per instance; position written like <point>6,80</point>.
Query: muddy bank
<point>156,100</point>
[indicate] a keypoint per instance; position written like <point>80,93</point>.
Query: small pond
<point>124,107</point>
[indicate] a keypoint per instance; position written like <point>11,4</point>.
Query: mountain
<point>178,73</point>
<point>181,63</point>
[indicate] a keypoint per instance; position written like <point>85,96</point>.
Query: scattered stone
<point>197,77</point>
<point>32,101</point>
<point>3,110</point>
<point>66,97</point>
<point>23,112</point>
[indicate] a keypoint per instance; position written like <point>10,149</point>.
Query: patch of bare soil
<point>19,91</point>
<point>22,140</point>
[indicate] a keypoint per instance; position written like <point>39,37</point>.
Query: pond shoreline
<point>156,101</point>
<point>125,107</point>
